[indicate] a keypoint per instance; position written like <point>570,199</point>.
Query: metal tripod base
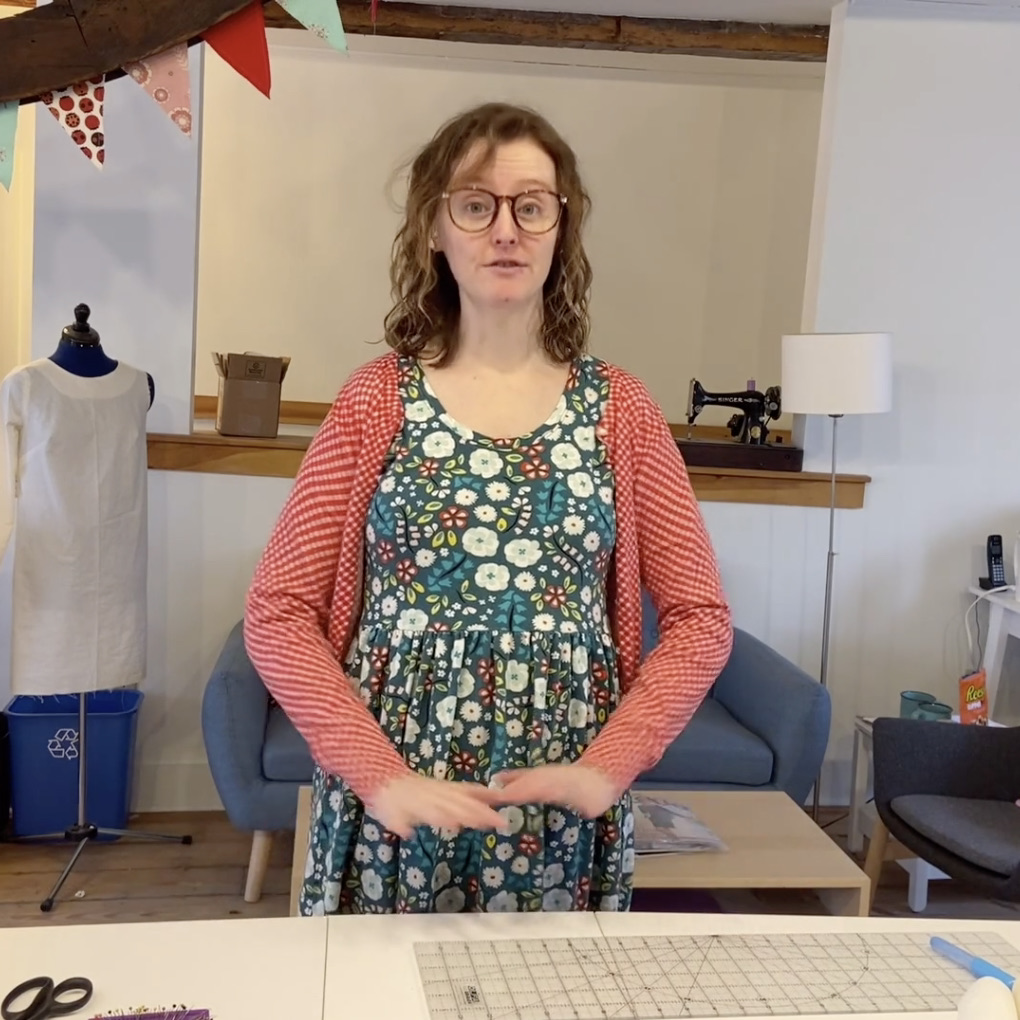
<point>82,831</point>
<point>81,834</point>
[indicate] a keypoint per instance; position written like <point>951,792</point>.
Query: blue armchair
<point>764,726</point>
<point>257,759</point>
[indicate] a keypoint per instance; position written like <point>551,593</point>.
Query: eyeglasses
<point>474,209</point>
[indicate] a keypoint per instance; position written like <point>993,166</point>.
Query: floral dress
<point>484,646</point>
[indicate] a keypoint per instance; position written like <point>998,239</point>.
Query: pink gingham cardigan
<point>304,602</point>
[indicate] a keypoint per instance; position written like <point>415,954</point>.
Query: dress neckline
<point>502,442</point>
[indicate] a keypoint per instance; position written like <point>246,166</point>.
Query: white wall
<point>916,228</point>
<point>701,177</point>
<point>123,241</point>
<point>16,211</point>
<point>916,233</point>
<point>16,239</point>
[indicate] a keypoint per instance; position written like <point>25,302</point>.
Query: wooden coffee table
<point>773,844</point>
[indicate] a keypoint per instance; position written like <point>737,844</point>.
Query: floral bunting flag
<point>241,41</point>
<point>8,129</point>
<point>321,18</point>
<point>166,78</point>
<point>79,109</point>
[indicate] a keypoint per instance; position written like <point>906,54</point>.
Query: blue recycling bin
<point>44,745</point>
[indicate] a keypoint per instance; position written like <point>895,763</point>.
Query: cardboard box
<point>248,401</point>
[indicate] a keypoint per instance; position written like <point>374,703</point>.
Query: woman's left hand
<point>576,787</point>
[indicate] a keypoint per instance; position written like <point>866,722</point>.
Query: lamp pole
<point>827,612</point>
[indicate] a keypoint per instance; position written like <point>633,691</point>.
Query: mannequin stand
<point>83,831</point>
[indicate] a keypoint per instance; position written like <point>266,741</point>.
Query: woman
<point>449,607</point>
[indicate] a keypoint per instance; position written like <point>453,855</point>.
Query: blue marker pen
<point>978,967</point>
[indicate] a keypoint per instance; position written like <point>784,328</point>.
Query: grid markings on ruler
<point>644,978</point>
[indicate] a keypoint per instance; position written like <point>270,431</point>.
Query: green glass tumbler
<point>911,701</point>
<point>934,711</point>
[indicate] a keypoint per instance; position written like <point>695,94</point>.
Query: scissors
<point>47,1001</point>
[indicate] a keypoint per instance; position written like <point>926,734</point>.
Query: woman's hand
<point>409,801</point>
<point>578,788</point>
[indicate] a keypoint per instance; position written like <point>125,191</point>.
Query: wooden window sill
<point>211,453</point>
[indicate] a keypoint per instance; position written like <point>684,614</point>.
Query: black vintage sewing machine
<point>750,446</point>
<point>758,410</point>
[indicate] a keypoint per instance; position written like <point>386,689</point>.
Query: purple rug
<point>675,901</point>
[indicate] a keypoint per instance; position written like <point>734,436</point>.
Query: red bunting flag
<point>375,10</point>
<point>241,41</point>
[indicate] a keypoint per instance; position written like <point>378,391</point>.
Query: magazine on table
<point>663,827</point>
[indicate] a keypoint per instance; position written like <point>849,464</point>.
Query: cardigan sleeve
<point>287,612</point>
<point>679,570</point>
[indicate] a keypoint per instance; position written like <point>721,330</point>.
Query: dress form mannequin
<point>80,352</point>
<point>73,492</point>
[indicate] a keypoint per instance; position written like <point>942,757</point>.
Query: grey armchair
<point>764,726</point>
<point>948,793</point>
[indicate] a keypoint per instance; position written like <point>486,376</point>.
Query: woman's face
<point>506,262</point>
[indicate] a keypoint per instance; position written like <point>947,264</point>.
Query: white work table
<point>371,970</point>
<point>237,969</point>
<point>352,968</point>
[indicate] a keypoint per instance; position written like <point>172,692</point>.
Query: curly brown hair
<point>426,310</point>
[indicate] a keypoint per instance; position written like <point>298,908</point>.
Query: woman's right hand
<point>409,801</point>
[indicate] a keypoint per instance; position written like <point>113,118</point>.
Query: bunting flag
<point>8,129</point>
<point>321,18</point>
<point>79,108</point>
<point>375,10</point>
<point>166,78</point>
<point>241,41</point>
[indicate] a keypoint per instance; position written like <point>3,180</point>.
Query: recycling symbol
<point>63,744</point>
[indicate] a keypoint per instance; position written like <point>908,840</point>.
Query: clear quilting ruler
<point>673,977</point>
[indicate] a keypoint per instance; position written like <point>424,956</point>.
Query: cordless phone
<point>996,568</point>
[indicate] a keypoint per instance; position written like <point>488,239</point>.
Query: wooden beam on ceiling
<point>66,41</point>
<point>577,31</point>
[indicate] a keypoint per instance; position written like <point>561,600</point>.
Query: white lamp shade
<point>837,373</point>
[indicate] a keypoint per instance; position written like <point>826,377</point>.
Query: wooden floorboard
<point>136,880</point>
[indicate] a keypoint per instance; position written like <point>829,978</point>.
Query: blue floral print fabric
<point>484,646</point>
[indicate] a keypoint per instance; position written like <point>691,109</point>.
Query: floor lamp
<point>835,374</point>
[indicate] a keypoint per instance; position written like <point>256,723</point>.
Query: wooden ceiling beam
<point>577,31</point>
<point>48,48</point>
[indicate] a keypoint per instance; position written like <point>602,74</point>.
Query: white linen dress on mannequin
<point>73,497</point>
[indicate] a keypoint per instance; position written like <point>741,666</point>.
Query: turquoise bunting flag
<point>8,129</point>
<point>321,17</point>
